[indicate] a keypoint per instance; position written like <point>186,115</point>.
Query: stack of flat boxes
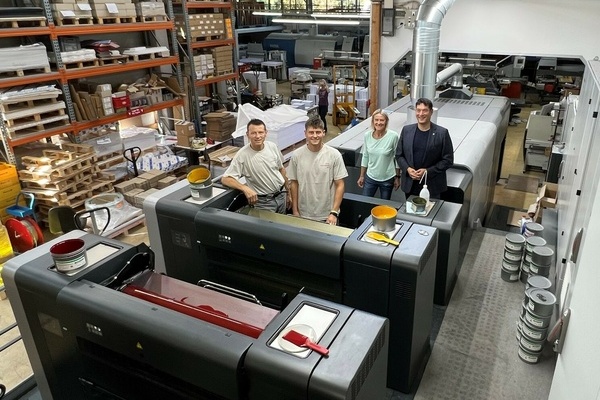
<point>104,96</point>
<point>201,25</point>
<point>70,9</point>
<point>137,189</point>
<point>223,59</point>
<point>106,9</point>
<point>204,66</point>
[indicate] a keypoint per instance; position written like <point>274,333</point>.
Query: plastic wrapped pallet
<point>150,9</point>
<point>24,58</point>
<point>285,123</point>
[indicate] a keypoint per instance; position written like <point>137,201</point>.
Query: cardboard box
<point>546,198</point>
<point>185,132</point>
<point>548,194</point>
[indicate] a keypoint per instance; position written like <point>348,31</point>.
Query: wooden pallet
<point>114,20</point>
<point>224,72</point>
<point>61,21</point>
<point>22,22</point>
<point>223,156</point>
<point>152,18</point>
<point>207,38</point>
<point>12,105</point>
<point>59,185</point>
<point>81,64</point>
<point>110,160</point>
<point>112,60</point>
<point>25,116</point>
<point>142,57</point>
<point>44,124</point>
<point>64,170</point>
<point>64,199</point>
<point>21,72</point>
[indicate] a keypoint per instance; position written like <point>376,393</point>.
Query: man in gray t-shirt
<point>316,174</point>
<point>260,163</point>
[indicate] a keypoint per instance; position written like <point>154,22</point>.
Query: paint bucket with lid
<point>541,261</point>
<point>541,302</point>
<point>534,241</point>
<point>514,242</point>
<point>542,255</point>
<point>539,282</point>
<point>533,229</point>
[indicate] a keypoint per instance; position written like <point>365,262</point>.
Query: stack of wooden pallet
<point>63,177</point>
<point>29,109</point>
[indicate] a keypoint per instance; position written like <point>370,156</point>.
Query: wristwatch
<point>334,213</point>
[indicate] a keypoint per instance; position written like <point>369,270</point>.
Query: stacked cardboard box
<point>71,10</point>
<point>108,9</point>
<point>223,59</point>
<point>220,125</point>
<point>203,66</point>
<point>201,25</point>
<point>185,132</point>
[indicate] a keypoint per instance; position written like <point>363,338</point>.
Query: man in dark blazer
<point>424,146</point>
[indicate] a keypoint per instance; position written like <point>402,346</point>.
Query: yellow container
<point>6,249</point>
<point>198,175</point>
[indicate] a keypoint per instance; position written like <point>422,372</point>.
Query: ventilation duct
<point>426,46</point>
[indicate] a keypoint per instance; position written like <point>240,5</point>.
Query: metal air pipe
<point>426,45</point>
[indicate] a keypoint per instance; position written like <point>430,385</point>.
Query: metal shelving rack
<point>63,76</point>
<point>190,46</point>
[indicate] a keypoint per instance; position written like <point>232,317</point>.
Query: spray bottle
<point>424,193</point>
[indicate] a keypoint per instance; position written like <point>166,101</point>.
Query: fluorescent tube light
<point>313,21</point>
<point>351,16</point>
<point>267,13</point>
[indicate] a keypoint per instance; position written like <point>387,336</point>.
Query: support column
<point>374,56</point>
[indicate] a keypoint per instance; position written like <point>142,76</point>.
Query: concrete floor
<point>15,367</point>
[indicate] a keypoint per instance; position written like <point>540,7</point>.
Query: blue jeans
<point>385,188</point>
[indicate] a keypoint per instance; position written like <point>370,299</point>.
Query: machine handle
<point>217,287</point>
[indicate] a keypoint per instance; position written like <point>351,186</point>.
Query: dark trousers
<point>323,115</point>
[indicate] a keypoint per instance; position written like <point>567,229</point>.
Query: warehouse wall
<point>527,27</point>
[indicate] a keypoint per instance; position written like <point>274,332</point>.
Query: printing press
<point>275,257</point>
<point>116,329</point>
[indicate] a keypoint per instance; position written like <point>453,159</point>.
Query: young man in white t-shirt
<point>316,174</point>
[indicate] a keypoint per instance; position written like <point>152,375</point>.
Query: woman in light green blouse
<point>378,168</point>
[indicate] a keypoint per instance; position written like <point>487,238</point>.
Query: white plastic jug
<point>424,193</point>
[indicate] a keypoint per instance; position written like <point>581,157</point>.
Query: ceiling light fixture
<point>351,16</point>
<point>313,21</point>
<point>267,13</point>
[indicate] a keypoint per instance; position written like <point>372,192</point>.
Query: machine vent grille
<point>404,290</point>
<point>461,102</point>
<point>367,364</point>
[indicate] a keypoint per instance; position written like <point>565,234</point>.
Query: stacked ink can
<point>534,319</point>
<point>513,254</point>
<point>530,244</point>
